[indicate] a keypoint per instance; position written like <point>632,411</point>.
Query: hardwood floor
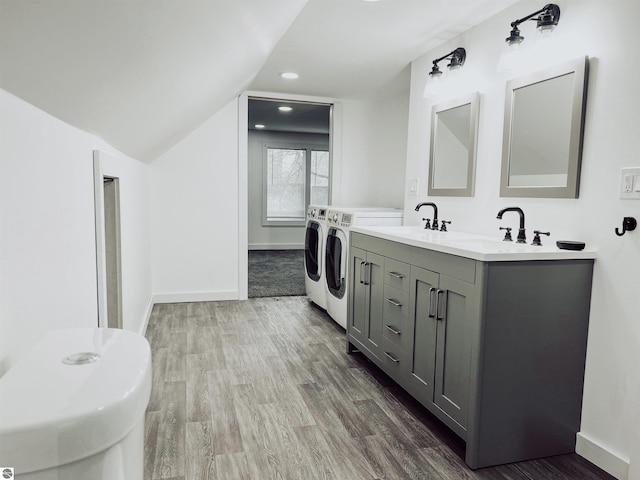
<point>263,389</point>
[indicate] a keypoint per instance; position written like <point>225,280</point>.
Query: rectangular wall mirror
<point>452,162</point>
<point>543,130</point>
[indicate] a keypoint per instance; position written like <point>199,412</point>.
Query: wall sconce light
<point>456,60</point>
<point>547,19</point>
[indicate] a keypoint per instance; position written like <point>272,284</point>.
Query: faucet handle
<point>507,235</point>
<point>443,226</point>
<point>536,238</point>
<point>428,224</point>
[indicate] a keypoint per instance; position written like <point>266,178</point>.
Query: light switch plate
<point>630,183</point>
<point>413,187</point>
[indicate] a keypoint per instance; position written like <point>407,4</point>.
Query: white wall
<point>607,33</point>
<point>261,237</point>
<point>194,214</point>
<point>373,153</point>
<point>199,191</point>
<point>47,230</point>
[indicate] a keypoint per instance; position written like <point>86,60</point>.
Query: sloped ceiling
<point>142,74</point>
<point>358,49</point>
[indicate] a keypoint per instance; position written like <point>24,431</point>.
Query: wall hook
<point>628,224</point>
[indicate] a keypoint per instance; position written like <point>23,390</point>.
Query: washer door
<point>336,262</point>
<point>312,250</point>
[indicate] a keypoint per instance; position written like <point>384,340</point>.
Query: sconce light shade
<point>435,72</point>
<point>514,37</point>
<point>458,56</point>
<point>547,19</point>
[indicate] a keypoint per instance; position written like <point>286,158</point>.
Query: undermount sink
<point>471,245</point>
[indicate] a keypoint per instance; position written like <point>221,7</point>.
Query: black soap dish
<point>570,245</point>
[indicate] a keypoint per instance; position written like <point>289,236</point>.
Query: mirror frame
<point>579,67</point>
<point>472,99</point>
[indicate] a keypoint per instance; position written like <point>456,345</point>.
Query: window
<point>294,177</point>
<point>319,183</point>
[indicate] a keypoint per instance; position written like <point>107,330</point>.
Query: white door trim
<point>101,248</point>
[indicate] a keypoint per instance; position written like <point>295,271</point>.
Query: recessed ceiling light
<point>285,109</point>
<point>259,125</point>
<point>289,75</point>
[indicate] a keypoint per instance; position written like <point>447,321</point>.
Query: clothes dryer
<point>339,222</point>
<point>314,239</point>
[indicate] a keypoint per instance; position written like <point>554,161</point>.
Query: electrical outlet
<point>630,183</point>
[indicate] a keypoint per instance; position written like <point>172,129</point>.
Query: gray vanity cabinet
<point>494,349</point>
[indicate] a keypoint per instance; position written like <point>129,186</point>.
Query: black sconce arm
<point>458,52</point>
<point>550,9</point>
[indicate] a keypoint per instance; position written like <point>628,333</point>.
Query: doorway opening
<point>111,189</point>
<point>289,167</point>
<point>106,191</point>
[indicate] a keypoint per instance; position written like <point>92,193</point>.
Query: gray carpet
<point>276,273</point>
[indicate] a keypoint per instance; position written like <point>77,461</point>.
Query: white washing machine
<point>314,240</point>
<point>339,221</point>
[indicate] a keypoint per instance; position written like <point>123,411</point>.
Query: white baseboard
<point>185,297</point>
<point>147,316</point>
<point>601,457</point>
<point>276,246</point>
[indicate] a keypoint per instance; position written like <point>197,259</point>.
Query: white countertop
<point>477,247</point>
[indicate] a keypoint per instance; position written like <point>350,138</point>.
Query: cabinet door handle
<point>391,357</point>
<point>362,264</point>
<point>431,313</point>
<point>396,275</point>
<point>367,273</point>
<point>440,304</point>
<point>393,302</point>
<point>392,330</point>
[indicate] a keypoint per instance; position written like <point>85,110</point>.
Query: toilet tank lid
<point>56,412</point>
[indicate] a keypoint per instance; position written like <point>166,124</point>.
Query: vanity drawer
<point>394,360</point>
<point>396,274</point>
<point>395,317</point>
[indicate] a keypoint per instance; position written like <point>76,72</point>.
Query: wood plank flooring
<point>263,389</point>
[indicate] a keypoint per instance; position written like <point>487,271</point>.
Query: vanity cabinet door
<point>358,318</point>
<point>420,378</point>
<point>367,283</point>
<point>455,323</point>
<point>440,364</point>
<point>374,271</point>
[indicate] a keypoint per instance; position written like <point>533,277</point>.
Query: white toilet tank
<point>73,407</point>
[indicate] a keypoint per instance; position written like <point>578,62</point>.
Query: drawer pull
<point>396,275</point>
<point>391,357</point>
<point>392,330</point>
<point>393,302</point>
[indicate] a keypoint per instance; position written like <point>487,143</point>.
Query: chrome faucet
<point>522,237</point>
<point>434,225</point>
